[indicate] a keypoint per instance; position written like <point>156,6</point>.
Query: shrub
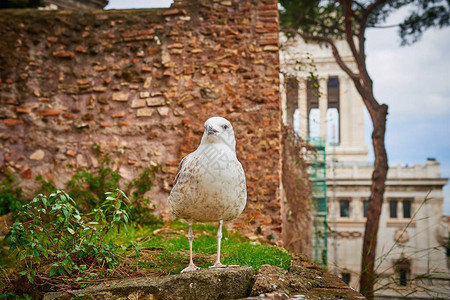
<point>141,208</point>
<point>50,230</point>
<point>10,196</point>
<point>89,188</point>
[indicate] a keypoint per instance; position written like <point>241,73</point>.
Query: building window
<point>296,121</point>
<point>333,127</point>
<point>402,268</point>
<point>333,111</point>
<point>393,208</point>
<point>314,123</point>
<point>406,208</point>
<point>344,208</point>
<point>403,280</point>
<point>346,277</point>
<point>312,98</point>
<point>365,206</point>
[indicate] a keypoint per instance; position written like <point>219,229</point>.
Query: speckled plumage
<point>210,184</point>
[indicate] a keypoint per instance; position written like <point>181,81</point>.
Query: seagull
<point>210,184</point>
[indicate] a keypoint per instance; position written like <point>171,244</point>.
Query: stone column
<point>323,107</point>
<point>347,97</point>
<point>283,99</point>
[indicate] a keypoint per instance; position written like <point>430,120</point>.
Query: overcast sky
<point>413,80</point>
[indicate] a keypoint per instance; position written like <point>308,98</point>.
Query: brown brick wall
<point>140,84</point>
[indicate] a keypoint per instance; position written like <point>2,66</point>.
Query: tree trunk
<point>378,114</point>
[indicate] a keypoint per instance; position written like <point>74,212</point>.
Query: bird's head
<point>219,130</point>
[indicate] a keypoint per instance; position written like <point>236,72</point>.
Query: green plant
<point>51,231</point>
<point>14,296</point>
<point>141,208</point>
<point>89,188</point>
<point>10,196</point>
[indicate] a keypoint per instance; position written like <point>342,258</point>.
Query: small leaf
<point>36,253</point>
<point>53,272</point>
<point>70,230</point>
<point>123,194</point>
<point>63,197</point>
<point>8,234</point>
<point>12,246</point>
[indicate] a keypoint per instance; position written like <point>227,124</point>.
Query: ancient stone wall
<point>296,194</point>
<point>140,84</point>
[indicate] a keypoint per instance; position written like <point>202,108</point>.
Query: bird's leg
<point>191,266</point>
<point>218,264</point>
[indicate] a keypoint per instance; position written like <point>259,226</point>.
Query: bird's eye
<point>225,127</point>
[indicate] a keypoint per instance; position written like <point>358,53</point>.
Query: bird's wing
<point>182,166</point>
<point>241,172</point>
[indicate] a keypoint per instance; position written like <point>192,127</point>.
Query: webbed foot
<point>190,268</point>
<point>222,266</point>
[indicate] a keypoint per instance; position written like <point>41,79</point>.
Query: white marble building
<point>411,252</point>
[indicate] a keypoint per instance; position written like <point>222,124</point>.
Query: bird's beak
<point>211,130</point>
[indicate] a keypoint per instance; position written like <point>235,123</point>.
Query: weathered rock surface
<point>304,280</point>
<point>205,284</point>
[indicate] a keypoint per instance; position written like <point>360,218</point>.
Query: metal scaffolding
<point>317,173</point>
